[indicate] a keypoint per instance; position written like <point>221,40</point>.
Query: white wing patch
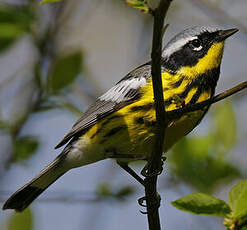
<point>122,91</point>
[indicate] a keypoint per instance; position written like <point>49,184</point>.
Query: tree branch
<point>154,165</point>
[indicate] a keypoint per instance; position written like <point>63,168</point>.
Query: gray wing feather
<point>120,95</point>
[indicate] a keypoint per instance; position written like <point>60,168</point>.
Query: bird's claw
<point>155,205</point>
<point>157,172</point>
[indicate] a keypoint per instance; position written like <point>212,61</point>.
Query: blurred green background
<point>56,59</point>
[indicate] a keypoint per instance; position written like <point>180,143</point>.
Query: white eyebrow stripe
<point>176,46</point>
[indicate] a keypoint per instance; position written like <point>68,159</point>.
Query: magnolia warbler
<point>121,123</point>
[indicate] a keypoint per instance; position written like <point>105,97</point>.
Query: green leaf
<point>203,204</point>
<point>238,199</point>
<point>241,206</point>
<point>21,221</point>
<point>235,192</point>
<point>25,147</point>
<point>64,71</point>
<point>49,1</point>
<point>139,4</point>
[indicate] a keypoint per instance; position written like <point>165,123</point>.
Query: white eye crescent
<point>196,44</point>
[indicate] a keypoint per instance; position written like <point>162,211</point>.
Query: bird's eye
<point>196,44</point>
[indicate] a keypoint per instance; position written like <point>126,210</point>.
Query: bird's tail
<point>24,196</point>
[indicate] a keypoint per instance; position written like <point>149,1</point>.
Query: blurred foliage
<point>49,1</point>
<point>202,161</point>
<point>64,70</point>
<point>224,128</point>
<point>52,72</point>
<point>14,22</point>
<point>105,190</point>
<point>195,163</point>
<point>20,221</point>
<point>4,125</point>
<point>139,4</point>
<point>25,147</point>
<point>234,213</point>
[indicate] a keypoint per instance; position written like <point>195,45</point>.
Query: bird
<point>121,123</point>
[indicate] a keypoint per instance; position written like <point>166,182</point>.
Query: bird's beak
<point>224,34</point>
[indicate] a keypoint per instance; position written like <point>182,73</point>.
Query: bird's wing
<point>120,95</point>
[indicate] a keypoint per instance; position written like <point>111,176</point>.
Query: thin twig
<point>154,162</point>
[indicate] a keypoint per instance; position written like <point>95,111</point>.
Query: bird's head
<point>196,50</point>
